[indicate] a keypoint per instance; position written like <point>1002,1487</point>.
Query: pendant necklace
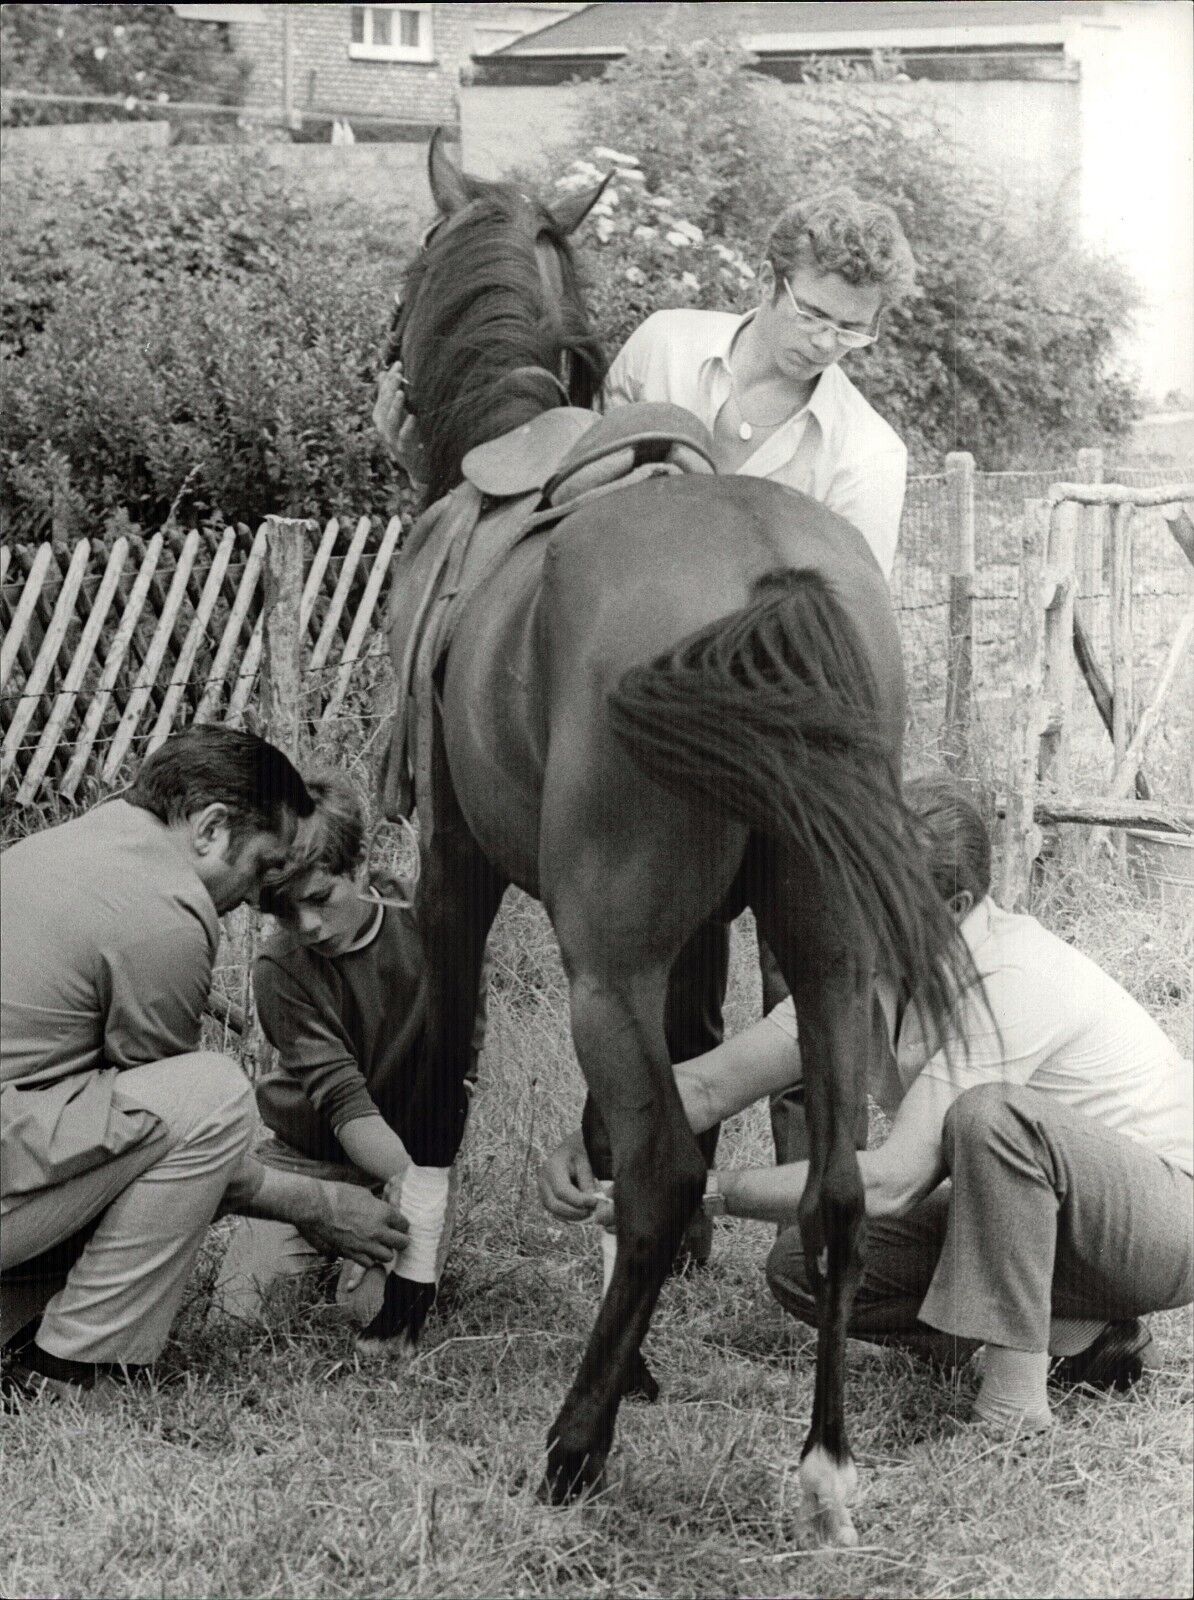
<point>746,430</point>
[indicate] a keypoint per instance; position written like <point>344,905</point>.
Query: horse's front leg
<point>458,898</point>
<point>659,1175</point>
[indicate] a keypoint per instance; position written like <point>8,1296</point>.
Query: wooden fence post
<point>1058,683</point>
<point>281,657</point>
<point>1091,522</point>
<point>1123,685</point>
<point>959,678</point>
<point>1021,836</point>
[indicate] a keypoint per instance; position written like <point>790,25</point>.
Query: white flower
<point>643,231</point>
<point>576,181</point>
<point>745,273</point>
<point>130,102</point>
<point>118,31</point>
<point>100,51</point>
<point>585,169</point>
<point>690,230</point>
<point>138,77</point>
<point>659,201</point>
<point>162,97</point>
<point>604,229</point>
<point>635,275</point>
<point>690,280</point>
<point>630,175</point>
<point>602,152</point>
<point>675,237</point>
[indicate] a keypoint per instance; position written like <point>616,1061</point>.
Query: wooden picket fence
<point>109,647</point>
<point>112,643</point>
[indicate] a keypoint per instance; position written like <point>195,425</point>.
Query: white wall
<point>502,128</point>
<point>1137,186</point>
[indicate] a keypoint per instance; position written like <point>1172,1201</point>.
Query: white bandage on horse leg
<point>609,1240</point>
<point>426,1201</point>
<point>609,1255</point>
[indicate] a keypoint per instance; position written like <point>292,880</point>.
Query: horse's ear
<point>450,187</point>
<point>569,213</point>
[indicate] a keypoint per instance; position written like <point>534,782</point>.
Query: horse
<point>685,699</point>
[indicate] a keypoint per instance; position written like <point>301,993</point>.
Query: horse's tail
<point>772,714</point>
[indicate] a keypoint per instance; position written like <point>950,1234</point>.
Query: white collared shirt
<point>837,448</point>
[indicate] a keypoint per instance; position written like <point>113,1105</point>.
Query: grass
<point>270,1462</point>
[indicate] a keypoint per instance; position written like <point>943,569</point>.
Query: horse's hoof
<point>571,1475</point>
<point>642,1383</point>
<point>827,1487</point>
<point>403,1311</point>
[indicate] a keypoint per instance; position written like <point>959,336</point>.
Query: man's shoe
<point>1116,1359</point>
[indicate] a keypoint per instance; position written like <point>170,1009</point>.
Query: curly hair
<point>861,240</point>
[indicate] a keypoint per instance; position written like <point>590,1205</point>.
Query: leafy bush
<point>1010,345</point>
<point>214,214</point>
<point>145,53</point>
<point>178,336</point>
<point>254,394</point>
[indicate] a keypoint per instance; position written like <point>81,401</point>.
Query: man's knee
<point>787,1277</point>
<point>210,1098</point>
<point>988,1110</point>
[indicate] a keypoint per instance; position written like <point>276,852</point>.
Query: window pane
<point>358,24</point>
<point>381,24</point>
<point>408,22</point>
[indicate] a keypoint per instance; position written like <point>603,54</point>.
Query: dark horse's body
<point>686,699</point>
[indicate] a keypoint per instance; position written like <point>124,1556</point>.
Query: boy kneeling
<point>341,993</point>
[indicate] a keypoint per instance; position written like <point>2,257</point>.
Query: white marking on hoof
<point>828,1487</point>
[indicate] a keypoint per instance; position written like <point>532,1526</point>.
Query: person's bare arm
<point>339,1219</point>
<point>896,1175</point>
<point>712,1087</point>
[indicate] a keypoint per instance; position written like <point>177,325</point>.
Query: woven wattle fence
<point>110,646</point>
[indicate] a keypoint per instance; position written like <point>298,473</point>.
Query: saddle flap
<point>527,457</point>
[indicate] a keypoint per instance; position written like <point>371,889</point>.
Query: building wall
<point>502,128</point>
<point>326,78</point>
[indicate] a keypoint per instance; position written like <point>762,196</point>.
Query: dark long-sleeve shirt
<point>349,1032</point>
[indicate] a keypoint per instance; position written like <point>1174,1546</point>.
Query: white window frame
<point>368,51</point>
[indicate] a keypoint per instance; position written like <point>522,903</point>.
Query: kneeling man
<point>120,1137</point>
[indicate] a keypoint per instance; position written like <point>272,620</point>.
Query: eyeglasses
<point>811,322</point>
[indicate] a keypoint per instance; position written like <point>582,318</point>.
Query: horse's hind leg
<point>832,989</point>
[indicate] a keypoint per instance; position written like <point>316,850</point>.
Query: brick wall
<point>327,79</point>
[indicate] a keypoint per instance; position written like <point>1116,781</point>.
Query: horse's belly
<point>493,716</point>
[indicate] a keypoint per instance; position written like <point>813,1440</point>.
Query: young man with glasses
<point>768,385</point>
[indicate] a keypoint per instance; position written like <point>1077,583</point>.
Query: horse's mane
<point>480,310</point>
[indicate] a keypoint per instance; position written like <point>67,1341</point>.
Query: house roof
<point>801,24</point>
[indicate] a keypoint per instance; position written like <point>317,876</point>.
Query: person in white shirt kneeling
<point>1035,1194</point>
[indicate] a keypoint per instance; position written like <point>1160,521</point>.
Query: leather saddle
<point>525,481</point>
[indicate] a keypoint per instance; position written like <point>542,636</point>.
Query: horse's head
<point>491,326</point>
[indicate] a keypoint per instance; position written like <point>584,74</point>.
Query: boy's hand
<point>567,1187</point>
<point>348,1221</point>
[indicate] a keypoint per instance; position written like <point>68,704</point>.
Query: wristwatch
<point>714,1201</point>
